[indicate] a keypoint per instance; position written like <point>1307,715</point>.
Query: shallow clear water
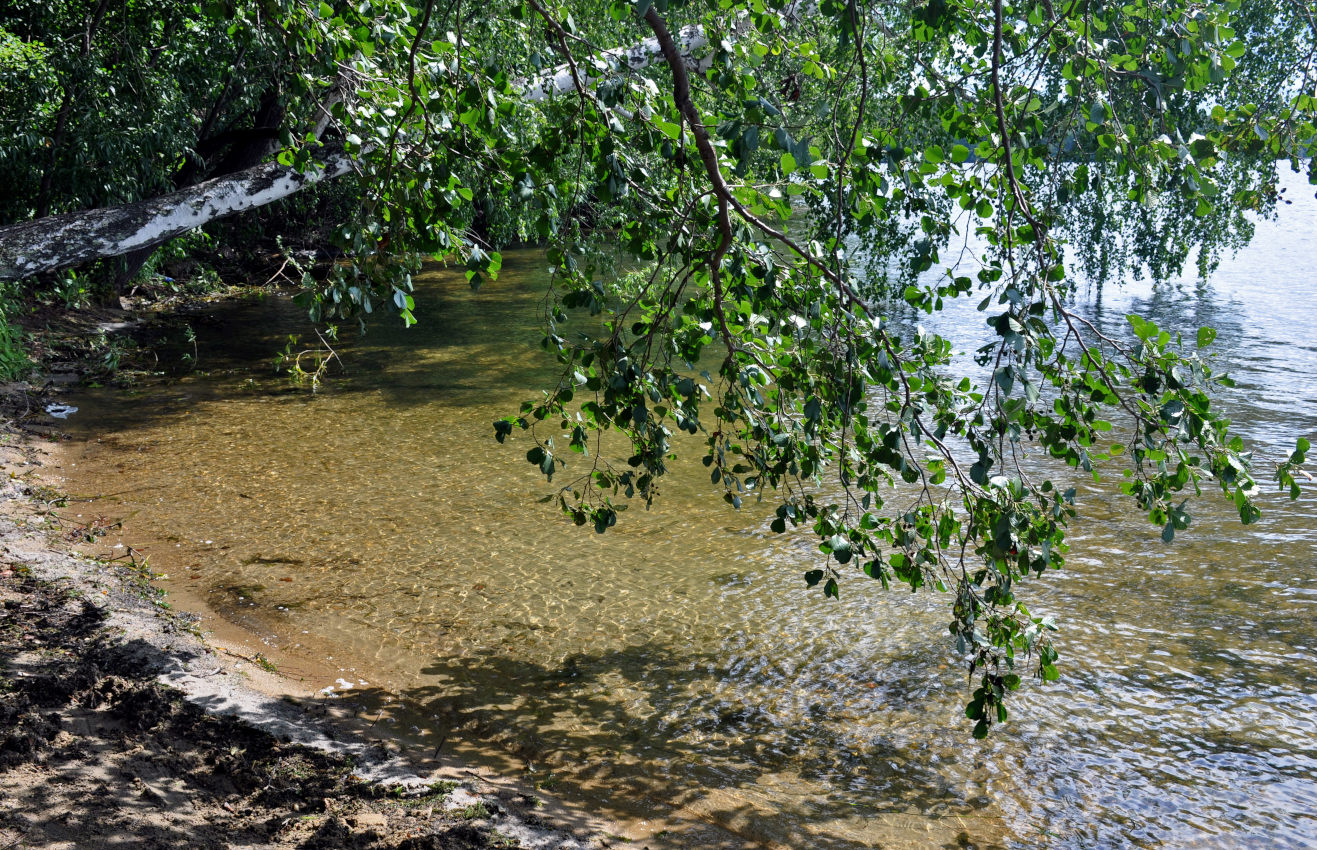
<point>677,663</point>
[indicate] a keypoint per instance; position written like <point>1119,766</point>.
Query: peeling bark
<point>691,41</point>
<point>59,241</point>
<point>50,243</point>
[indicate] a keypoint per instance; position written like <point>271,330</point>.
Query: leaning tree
<point>785,176</point>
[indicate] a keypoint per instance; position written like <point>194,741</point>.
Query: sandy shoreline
<point>73,620</point>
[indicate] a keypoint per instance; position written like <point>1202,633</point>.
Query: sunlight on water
<point>677,660</point>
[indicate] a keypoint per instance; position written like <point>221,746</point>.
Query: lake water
<point>675,669</point>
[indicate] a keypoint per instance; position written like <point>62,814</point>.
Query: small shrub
<point>475,811</point>
<point>14,362</point>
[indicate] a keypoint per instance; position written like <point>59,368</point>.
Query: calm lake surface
<point>676,667</point>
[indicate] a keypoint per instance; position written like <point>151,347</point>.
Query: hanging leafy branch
<point>786,178</point>
<point>819,401</point>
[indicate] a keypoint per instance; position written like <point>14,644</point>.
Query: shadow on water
<point>469,347</point>
<point>565,728</point>
<point>1186,712</point>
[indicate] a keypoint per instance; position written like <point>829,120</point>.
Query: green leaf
<point>1206,336</point>
<point>841,548</point>
<point>1005,378</point>
<point>672,131</point>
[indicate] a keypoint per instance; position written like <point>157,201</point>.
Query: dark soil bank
<point>96,753</point>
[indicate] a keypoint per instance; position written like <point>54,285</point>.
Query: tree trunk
<point>56,242</point>
<point>66,108</point>
<point>690,41</point>
<point>59,241</point>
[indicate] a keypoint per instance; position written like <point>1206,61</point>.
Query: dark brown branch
<point>681,95</point>
<point>46,189</point>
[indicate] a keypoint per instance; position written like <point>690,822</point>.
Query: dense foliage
<point>786,178</point>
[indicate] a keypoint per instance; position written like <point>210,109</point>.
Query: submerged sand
<point>120,726</point>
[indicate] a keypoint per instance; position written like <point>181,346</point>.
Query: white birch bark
<point>691,40</point>
<point>59,241</point>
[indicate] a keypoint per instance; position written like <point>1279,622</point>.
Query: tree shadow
<point>94,752</point>
<point>467,347</point>
<point>569,727</point>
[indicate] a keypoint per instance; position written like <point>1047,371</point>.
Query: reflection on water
<point>676,661</point>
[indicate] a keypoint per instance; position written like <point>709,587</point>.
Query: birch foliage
<point>788,178</point>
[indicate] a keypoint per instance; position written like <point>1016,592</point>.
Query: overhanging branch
<point>60,241</point>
